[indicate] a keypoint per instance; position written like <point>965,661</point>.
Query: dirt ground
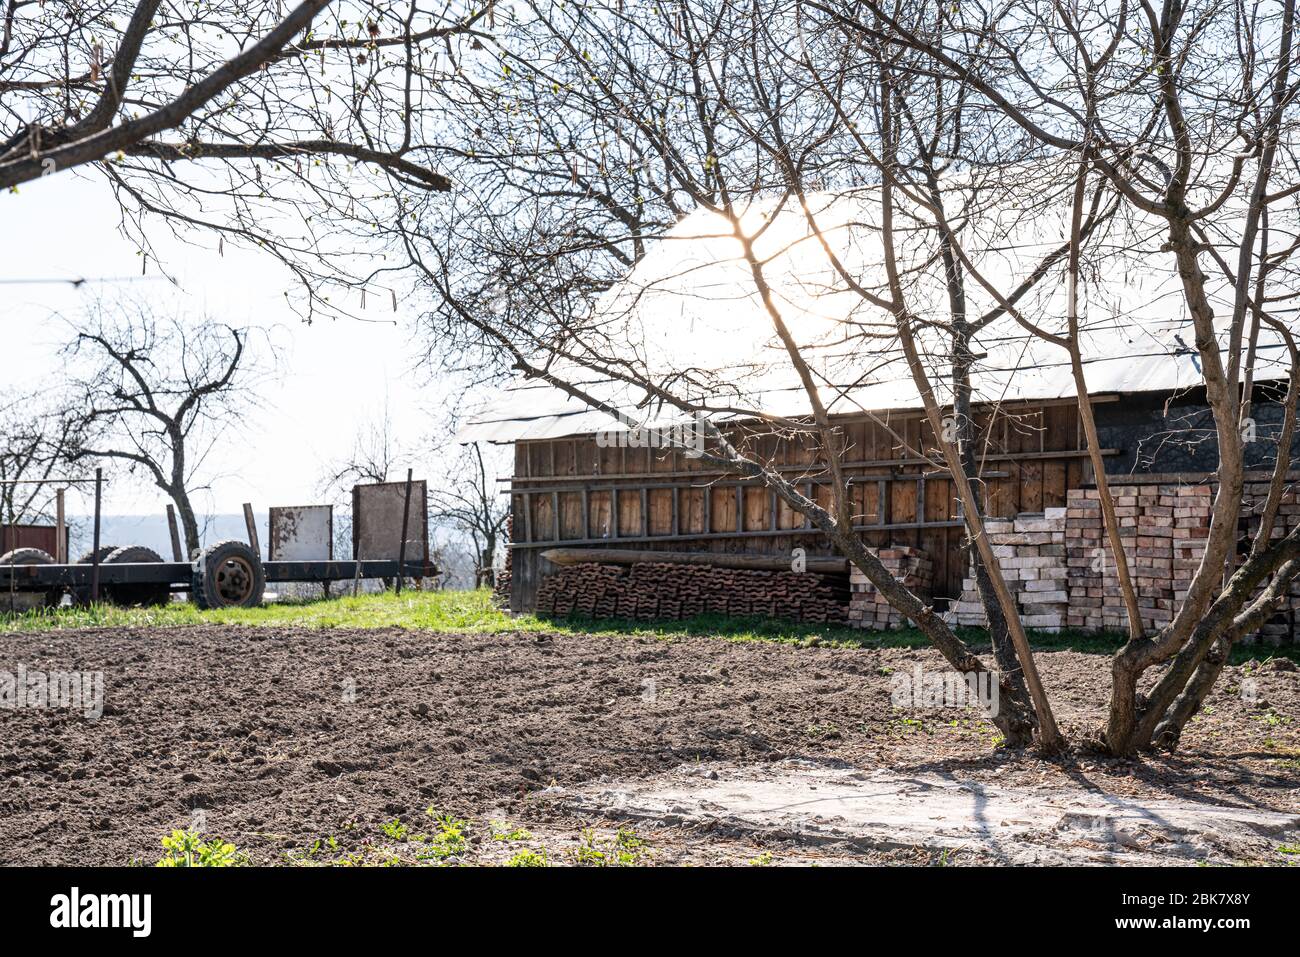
<point>331,746</point>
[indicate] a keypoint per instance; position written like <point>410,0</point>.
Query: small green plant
<point>313,849</point>
<point>1289,849</point>
<point>394,830</point>
<point>626,850</point>
<point>589,852</point>
<point>763,860</point>
<point>629,850</point>
<point>910,725</point>
<point>527,858</point>
<point>822,731</point>
<point>945,857</point>
<point>450,841</point>
<point>188,849</point>
<point>502,831</point>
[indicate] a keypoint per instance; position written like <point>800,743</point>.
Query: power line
<point>78,282</point>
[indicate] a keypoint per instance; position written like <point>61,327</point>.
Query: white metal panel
<point>301,533</point>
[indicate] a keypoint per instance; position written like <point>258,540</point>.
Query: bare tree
<point>1187,111</point>
<point>159,395</point>
<point>467,499</point>
<point>462,493</point>
<point>34,444</point>
<point>714,111</point>
<point>374,456</point>
<point>290,128</point>
<point>1084,120</point>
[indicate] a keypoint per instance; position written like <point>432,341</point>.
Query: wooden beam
<point>177,554</point>
<point>250,524</point>
<point>872,464</point>
<point>765,533</point>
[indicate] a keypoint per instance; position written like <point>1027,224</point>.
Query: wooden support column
<point>60,529</point>
<point>250,523</point>
<point>175,532</point>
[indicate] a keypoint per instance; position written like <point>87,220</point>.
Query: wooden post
<point>251,524</point>
<point>325,585</point>
<point>177,554</point>
<point>60,530</point>
<point>401,547</point>
<point>94,560</point>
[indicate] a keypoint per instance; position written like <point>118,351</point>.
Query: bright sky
<point>333,374</point>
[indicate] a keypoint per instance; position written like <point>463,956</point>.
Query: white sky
<point>332,374</point>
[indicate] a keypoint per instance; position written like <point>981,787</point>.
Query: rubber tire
<point>204,590</point>
<point>20,601</point>
<point>136,593</point>
<point>81,593</point>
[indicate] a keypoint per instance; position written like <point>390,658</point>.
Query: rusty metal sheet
<point>301,533</point>
<point>377,521</point>
<point>44,537</point>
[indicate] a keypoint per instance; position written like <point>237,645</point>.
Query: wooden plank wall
<point>581,492</point>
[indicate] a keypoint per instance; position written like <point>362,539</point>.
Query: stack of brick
<point>1031,550</point>
<point>868,608</point>
<point>1190,533</point>
<point>662,590</point>
<point>1085,551</point>
<point>1162,529</point>
<point>1284,625</point>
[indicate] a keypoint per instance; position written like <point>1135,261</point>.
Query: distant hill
<point>151,531</point>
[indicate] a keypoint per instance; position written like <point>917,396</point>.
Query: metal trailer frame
<point>183,576</point>
<point>180,575</point>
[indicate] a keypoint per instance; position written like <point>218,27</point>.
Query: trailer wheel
<point>136,593</point>
<point>20,601</point>
<point>228,575</point>
<point>81,593</point>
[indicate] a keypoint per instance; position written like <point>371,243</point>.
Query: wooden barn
<point>567,491</point>
<point>570,491</point>
<point>579,487</point>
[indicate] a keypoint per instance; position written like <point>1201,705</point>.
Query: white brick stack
<point>1031,549</point>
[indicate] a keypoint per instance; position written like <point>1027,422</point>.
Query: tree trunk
<point>1014,719</point>
<point>189,523</point>
<point>1004,652</point>
<point>1123,735</point>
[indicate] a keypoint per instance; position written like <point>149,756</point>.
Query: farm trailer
<point>230,573</point>
<point>225,575</point>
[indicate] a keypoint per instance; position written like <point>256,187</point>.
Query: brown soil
<point>285,737</point>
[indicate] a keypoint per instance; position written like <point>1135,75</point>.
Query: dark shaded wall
<point>1174,433</point>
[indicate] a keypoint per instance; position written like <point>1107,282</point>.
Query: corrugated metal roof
<point>692,303</point>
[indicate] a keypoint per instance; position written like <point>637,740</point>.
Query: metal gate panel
<point>377,521</point>
<point>301,533</point>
